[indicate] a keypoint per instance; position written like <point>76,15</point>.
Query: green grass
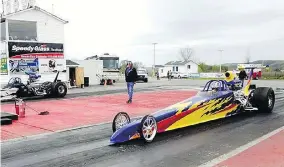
<point>272,78</point>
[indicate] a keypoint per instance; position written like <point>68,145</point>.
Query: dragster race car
<point>17,89</point>
<point>217,100</point>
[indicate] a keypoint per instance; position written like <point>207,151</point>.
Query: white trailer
<point>92,69</point>
<point>110,66</point>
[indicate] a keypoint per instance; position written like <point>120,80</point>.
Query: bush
<point>273,75</point>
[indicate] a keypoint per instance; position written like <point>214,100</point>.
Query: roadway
<point>153,84</point>
<point>190,146</point>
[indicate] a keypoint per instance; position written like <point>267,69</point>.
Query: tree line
<point>185,54</point>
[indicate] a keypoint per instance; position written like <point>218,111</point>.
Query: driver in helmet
<point>215,87</point>
<point>230,78</point>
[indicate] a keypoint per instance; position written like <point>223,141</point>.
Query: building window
<point>162,70</point>
<point>22,30</point>
<point>173,68</point>
<point>176,68</point>
<point>188,66</point>
<point>3,31</point>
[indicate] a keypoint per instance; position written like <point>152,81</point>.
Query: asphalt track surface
<point>190,146</point>
<point>153,84</point>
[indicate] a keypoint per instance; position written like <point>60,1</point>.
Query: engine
<point>245,101</point>
<point>241,98</point>
<point>41,88</point>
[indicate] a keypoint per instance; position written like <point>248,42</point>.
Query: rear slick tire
<point>60,89</point>
<point>264,99</point>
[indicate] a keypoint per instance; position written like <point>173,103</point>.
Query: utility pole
<point>52,8</point>
<point>154,58</point>
<point>220,50</point>
<point>3,12</point>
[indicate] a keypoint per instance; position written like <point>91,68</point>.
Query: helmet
<point>229,76</point>
<point>215,86</point>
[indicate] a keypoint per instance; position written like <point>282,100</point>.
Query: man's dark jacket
<point>242,75</point>
<point>131,76</point>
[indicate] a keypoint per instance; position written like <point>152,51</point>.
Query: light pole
<point>220,50</point>
<point>2,14</point>
<point>154,58</point>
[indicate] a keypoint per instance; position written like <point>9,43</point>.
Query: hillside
<point>273,64</point>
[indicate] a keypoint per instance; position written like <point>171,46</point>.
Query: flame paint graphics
<point>199,112</point>
<point>218,105</point>
<point>135,136</point>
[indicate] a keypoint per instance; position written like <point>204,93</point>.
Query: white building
<point>32,39</point>
<point>184,67</point>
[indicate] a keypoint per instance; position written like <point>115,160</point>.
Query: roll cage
<point>222,85</point>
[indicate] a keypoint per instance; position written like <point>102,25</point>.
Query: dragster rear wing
<point>251,66</point>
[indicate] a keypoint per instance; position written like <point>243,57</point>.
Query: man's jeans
<point>130,86</point>
<point>242,80</point>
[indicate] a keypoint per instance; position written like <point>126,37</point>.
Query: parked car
<point>142,75</point>
<point>179,75</point>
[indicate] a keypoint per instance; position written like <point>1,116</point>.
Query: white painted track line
<point>240,149</point>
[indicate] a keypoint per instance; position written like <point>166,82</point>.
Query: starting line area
<point>82,111</point>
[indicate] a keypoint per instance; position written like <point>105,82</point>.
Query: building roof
<point>38,9</point>
<point>92,57</point>
<point>71,63</point>
<point>159,66</point>
<point>179,62</point>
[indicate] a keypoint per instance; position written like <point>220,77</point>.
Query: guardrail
<point>206,75</point>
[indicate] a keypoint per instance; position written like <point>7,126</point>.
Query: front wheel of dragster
<point>264,99</point>
<point>121,119</point>
<point>149,128</point>
<point>60,89</point>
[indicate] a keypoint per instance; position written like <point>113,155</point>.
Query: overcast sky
<point>129,27</point>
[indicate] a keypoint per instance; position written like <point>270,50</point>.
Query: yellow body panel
<point>182,106</point>
<point>199,116</point>
<point>246,88</point>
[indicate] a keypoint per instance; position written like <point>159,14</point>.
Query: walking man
<point>168,75</point>
<point>130,78</point>
<point>158,77</point>
<point>242,76</point>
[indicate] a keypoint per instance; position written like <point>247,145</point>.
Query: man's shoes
<point>129,101</point>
